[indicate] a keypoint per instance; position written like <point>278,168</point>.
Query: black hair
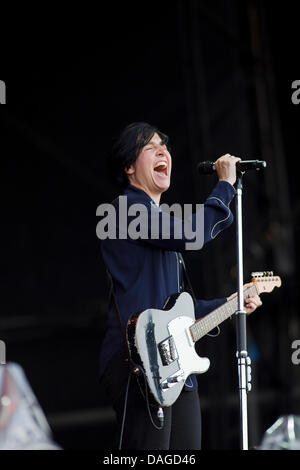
<point>127,147</point>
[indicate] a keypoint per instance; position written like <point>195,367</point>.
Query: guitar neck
<point>204,325</point>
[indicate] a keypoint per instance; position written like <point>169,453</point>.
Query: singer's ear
<point>129,170</point>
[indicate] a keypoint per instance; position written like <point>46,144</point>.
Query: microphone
<point>207,168</point>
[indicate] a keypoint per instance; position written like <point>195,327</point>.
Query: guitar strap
<point>187,281</point>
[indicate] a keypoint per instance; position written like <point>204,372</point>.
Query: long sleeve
<point>144,223</point>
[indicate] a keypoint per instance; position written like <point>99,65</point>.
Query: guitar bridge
<point>167,351</point>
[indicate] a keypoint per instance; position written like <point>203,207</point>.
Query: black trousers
<point>182,420</point>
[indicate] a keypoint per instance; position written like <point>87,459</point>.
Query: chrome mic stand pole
<point>244,362</point>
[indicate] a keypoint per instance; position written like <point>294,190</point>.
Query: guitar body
<point>161,343</point>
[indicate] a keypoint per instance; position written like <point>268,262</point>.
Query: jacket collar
<point>143,195</point>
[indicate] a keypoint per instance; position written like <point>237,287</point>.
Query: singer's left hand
<point>252,302</point>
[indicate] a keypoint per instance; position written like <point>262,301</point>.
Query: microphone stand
<point>243,361</point>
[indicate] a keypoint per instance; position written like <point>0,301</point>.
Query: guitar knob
<point>165,385</point>
<point>172,380</point>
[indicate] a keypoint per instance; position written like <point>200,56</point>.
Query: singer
<point>143,273</point>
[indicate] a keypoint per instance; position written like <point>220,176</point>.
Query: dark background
<point>216,77</point>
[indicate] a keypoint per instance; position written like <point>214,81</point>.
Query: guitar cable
<point>124,411</point>
<point>160,413</point>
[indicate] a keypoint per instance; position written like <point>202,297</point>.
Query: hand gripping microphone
<point>207,168</point>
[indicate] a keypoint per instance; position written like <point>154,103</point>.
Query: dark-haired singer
<point>144,274</point>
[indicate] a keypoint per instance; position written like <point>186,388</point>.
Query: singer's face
<point>151,171</point>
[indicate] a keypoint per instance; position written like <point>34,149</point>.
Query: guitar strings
<point>205,325</point>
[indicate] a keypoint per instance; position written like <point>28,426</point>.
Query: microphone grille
<point>205,168</point>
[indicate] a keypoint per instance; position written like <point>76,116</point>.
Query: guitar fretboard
<point>204,325</point>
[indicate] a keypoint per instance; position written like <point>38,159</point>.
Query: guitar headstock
<point>265,281</point>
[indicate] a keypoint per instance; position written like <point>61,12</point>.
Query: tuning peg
<point>257,274</point>
<point>260,274</point>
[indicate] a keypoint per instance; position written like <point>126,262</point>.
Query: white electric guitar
<point>162,342</point>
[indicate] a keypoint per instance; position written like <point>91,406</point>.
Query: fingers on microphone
<point>228,158</point>
<point>233,157</point>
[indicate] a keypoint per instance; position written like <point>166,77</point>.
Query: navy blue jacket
<point>146,272</point>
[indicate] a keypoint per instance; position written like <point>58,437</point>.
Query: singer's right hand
<point>226,168</point>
